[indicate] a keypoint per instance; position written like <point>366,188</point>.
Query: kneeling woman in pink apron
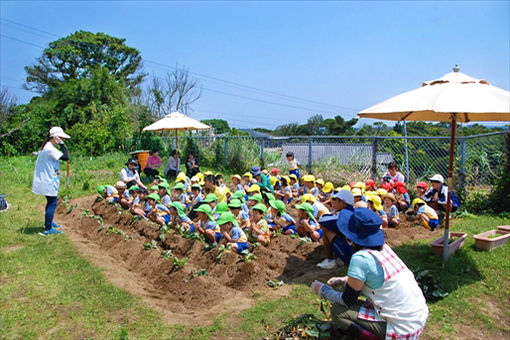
<point>395,307</point>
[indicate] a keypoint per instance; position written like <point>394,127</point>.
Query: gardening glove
<point>316,287</point>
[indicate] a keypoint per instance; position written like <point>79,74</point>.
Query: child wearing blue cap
<point>378,273</point>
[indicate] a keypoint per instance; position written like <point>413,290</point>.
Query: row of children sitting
<point>265,212</point>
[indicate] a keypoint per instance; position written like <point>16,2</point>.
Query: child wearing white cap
<point>437,195</point>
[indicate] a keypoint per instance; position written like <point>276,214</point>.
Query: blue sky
<point>336,57</point>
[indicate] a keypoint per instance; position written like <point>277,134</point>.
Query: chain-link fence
<point>478,159</point>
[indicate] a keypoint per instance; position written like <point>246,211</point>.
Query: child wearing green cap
<point>157,212</point>
<point>220,209</point>
<point>179,193</point>
<point>259,229</point>
<point>242,217</point>
<point>306,225</point>
<point>108,192</point>
<point>206,225</point>
<point>178,217</point>
<point>232,233</point>
<point>281,219</point>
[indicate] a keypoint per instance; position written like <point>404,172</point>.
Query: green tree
<point>75,56</point>
<point>339,126</point>
<point>220,125</point>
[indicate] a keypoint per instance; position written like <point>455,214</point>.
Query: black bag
<point>3,203</point>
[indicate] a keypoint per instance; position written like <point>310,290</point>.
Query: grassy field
<point>47,290</point>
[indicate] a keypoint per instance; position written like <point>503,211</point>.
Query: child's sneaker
<point>327,264</point>
<point>54,225</point>
<point>50,232</point>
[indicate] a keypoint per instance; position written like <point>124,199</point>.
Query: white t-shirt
<point>47,171</point>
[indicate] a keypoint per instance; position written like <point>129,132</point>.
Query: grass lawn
<point>47,290</point>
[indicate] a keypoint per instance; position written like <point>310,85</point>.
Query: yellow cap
<point>345,187</point>
<point>208,173</point>
<point>417,200</point>
<point>294,177</point>
<point>328,187</point>
<point>247,174</point>
<point>356,192</point>
<point>195,179</point>
<point>309,178</point>
<point>200,176</point>
<point>360,185</point>
<point>181,177</point>
<point>254,188</point>
<point>381,192</point>
<point>273,180</point>
<point>376,200</point>
<point>308,198</point>
<point>319,181</point>
<point>287,178</point>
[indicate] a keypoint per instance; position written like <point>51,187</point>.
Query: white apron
<point>399,301</point>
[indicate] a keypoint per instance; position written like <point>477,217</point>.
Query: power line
<point>21,41</point>
<point>29,27</point>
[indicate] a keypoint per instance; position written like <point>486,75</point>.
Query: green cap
<point>154,187</point>
<point>196,186</point>
<point>235,203</point>
<point>221,207</point>
<point>239,194</point>
<point>178,206</point>
<point>260,207</point>
<point>256,197</point>
<point>210,198</point>
<point>306,207</point>
<point>206,209</point>
<point>164,185</point>
<point>278,205</point>
<point>179,186</point>
<point>270,196</point>
<point>154,196</point>
<point>100,189</point>
<point>227,217</point>
<point>134,188</point>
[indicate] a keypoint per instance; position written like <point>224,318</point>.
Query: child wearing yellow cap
<point>247,177</point>
<point>306,224</point>
<point>259,229</point>
<point>294,184</point>
<point>326,193</point>
<point>285,192</point>
<point>374,203</point>
<point>425,214</point>
<point>309,185</point>
<point>232,233</point>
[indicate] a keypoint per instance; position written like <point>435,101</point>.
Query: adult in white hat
<point>437,195</point>
<point>47,175</point>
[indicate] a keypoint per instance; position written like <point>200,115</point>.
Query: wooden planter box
<point>483,242</point>
<point>504,228</point>
<point>437,245</point>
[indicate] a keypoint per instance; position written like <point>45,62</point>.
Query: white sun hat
<point>58,132</point>
<point>437,178</point>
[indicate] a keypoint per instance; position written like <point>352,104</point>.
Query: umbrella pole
<point>450,183</point>
<point>176,140</point>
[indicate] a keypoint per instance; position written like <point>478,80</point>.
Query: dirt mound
<point>211,279</point>
<point>183,277</point>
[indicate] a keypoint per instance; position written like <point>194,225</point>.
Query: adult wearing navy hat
<point>333,240</point>
<point>395,306</point>
<point>261,180</point>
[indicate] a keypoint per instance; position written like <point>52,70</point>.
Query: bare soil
<point>181,297</point>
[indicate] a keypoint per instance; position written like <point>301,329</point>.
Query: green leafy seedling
<point>200,272</point>
<point>167,254</point>
<point>179,263</point>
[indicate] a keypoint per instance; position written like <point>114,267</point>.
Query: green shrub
<point>477,201</point>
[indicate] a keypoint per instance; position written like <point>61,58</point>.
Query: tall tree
<point>75,56</point>
<point>220,125</point>
<point>174,93</point>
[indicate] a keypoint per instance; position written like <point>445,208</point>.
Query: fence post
<point>310,140</point>
<point>225,151</point>
<point>374,158</point>
<point>462,169</point>
<point>407,153</point>
<point>262,150</point>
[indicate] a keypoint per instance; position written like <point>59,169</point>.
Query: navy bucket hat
<point>364,228</point>
<point>255,171</point>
